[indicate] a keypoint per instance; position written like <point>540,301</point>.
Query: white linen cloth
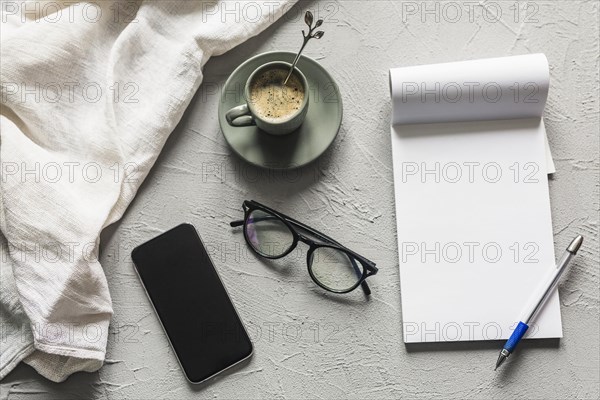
<point>90,93</point>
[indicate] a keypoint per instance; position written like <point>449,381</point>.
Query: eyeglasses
<point>333,267</point>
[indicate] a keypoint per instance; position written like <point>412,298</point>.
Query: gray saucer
<point>299,148</point>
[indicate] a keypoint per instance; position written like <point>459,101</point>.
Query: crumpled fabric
<point>90,92</point>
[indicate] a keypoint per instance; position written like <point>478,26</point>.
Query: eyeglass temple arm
<point>364,285</point>
<point>236,224</point>
<point>322,236</point>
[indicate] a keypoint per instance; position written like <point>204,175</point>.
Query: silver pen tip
<point>500,361</point>
<point>501,358</point>
<point>575,245</point>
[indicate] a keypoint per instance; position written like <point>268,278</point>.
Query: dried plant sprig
<point>309,19</point>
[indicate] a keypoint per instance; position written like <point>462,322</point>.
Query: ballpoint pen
<point>549,288</point>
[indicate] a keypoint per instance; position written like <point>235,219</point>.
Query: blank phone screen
<point>191,302</point>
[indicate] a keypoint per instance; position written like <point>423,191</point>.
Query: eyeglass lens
<point>267,234</point>
<point>334,269</point>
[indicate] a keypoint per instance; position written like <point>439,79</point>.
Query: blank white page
<point>474,228</point>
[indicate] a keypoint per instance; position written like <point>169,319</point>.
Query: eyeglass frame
<point>368,269</point>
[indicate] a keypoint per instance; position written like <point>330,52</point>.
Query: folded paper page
<point>472,202</point>
<point>479,90</point>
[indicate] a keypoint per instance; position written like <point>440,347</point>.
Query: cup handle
<point>240,116</point>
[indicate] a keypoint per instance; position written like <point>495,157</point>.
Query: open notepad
<point>473,212</point>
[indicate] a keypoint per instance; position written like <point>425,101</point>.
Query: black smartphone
<point>192,304</point>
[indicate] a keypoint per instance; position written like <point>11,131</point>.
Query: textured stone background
<point>313,345</point>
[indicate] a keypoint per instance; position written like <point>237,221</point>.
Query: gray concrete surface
<point>312,345</point>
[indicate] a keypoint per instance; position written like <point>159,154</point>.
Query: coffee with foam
<point>273,101</point>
